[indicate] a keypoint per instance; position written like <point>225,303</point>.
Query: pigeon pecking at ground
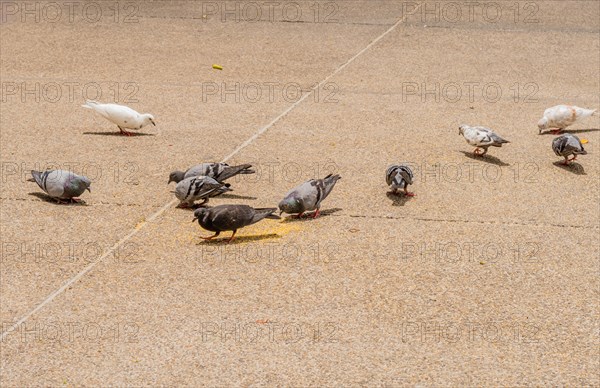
<point>308,196</point>
<point>561,116</point>
<point>123,116</point>
<point>198,187</point>
<point>399,176</point>
<point>64,186</point>
<point>217,171</point>
<point>566,145</point>
<point>481,137</point>
<point>230,217</point>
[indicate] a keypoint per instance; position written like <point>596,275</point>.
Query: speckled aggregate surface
<point>487,277</point>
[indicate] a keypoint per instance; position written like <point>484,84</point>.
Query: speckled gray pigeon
<point>308,196</point>
<point>399,176</point>
<point>217,171</point>
<point>61,185</point>
<point>198,187</point>
<point>230,217</point>
<point>566,145</point>
<point>481,137</point>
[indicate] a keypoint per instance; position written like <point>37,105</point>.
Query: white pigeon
<point>561,116</point>
<point>481,137</point>
<point>123,116</point>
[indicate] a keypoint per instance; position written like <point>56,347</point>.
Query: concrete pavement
<point>489,276</point>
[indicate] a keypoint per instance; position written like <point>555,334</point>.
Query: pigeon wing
<point>390,174</point>
<point>406,174</point>
<point>231,217</point>
<point>52,182</point>
<point>197,170</point>
<point>324,187</point>
<point>227,171</point>
<point>122,115</point>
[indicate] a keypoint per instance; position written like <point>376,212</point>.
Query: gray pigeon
<point>481,137</point>
<point>61,185</point>
<point>198,187</point>
<point>217,171</point>
<point>399,176</point>
<point>308,196</point>
<point>230,217</point>
<point>566,145</point>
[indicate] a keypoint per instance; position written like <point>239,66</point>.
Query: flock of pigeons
<point>207,180</point>
<point>558,117</point>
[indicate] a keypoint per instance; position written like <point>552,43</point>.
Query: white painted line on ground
<point>294,105</point>
<point>152,217</point>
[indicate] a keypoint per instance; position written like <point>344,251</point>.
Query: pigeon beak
<point>89,189</point>
<point>280,212</point>
<point>153,123</point>
<point>195,219</point>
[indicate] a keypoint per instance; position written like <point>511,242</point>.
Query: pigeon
<point>566,145</point>
<point>399,176</point>
<point>218,171</point>
<point>561,116</point>
<point>61,185</point>
<point>198,187</point>
<point>230,217</point>
<point>308,196</point>
<point>123,116</point>
<point>481,137</point>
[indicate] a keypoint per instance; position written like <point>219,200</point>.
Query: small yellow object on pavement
<point>584,141</point>
<point>218,67</point>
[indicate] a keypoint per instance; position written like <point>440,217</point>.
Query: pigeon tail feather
<point>37,177</point>
<point>264,213</point>
<point>89,104</point>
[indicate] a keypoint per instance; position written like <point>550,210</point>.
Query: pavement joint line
<point>84,203</point>
<point>414,25</point>
<point>492,222</point>
<point>272,22</point>
<point>547,96</point>
<point>499,29</point>
<point>152,217</point>
<point>382,217</point>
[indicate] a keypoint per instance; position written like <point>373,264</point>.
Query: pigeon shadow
<point>206,205</point>
<point>234,196</point>
<point>239,239</point>
<point>49,199</point>
<point>571,131</point>
<point>485,158</point>
<point>308,217</point>
<point>572,167</point>
<point>119,134</point>
<point>193,207</point>
<point>398,199</point>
